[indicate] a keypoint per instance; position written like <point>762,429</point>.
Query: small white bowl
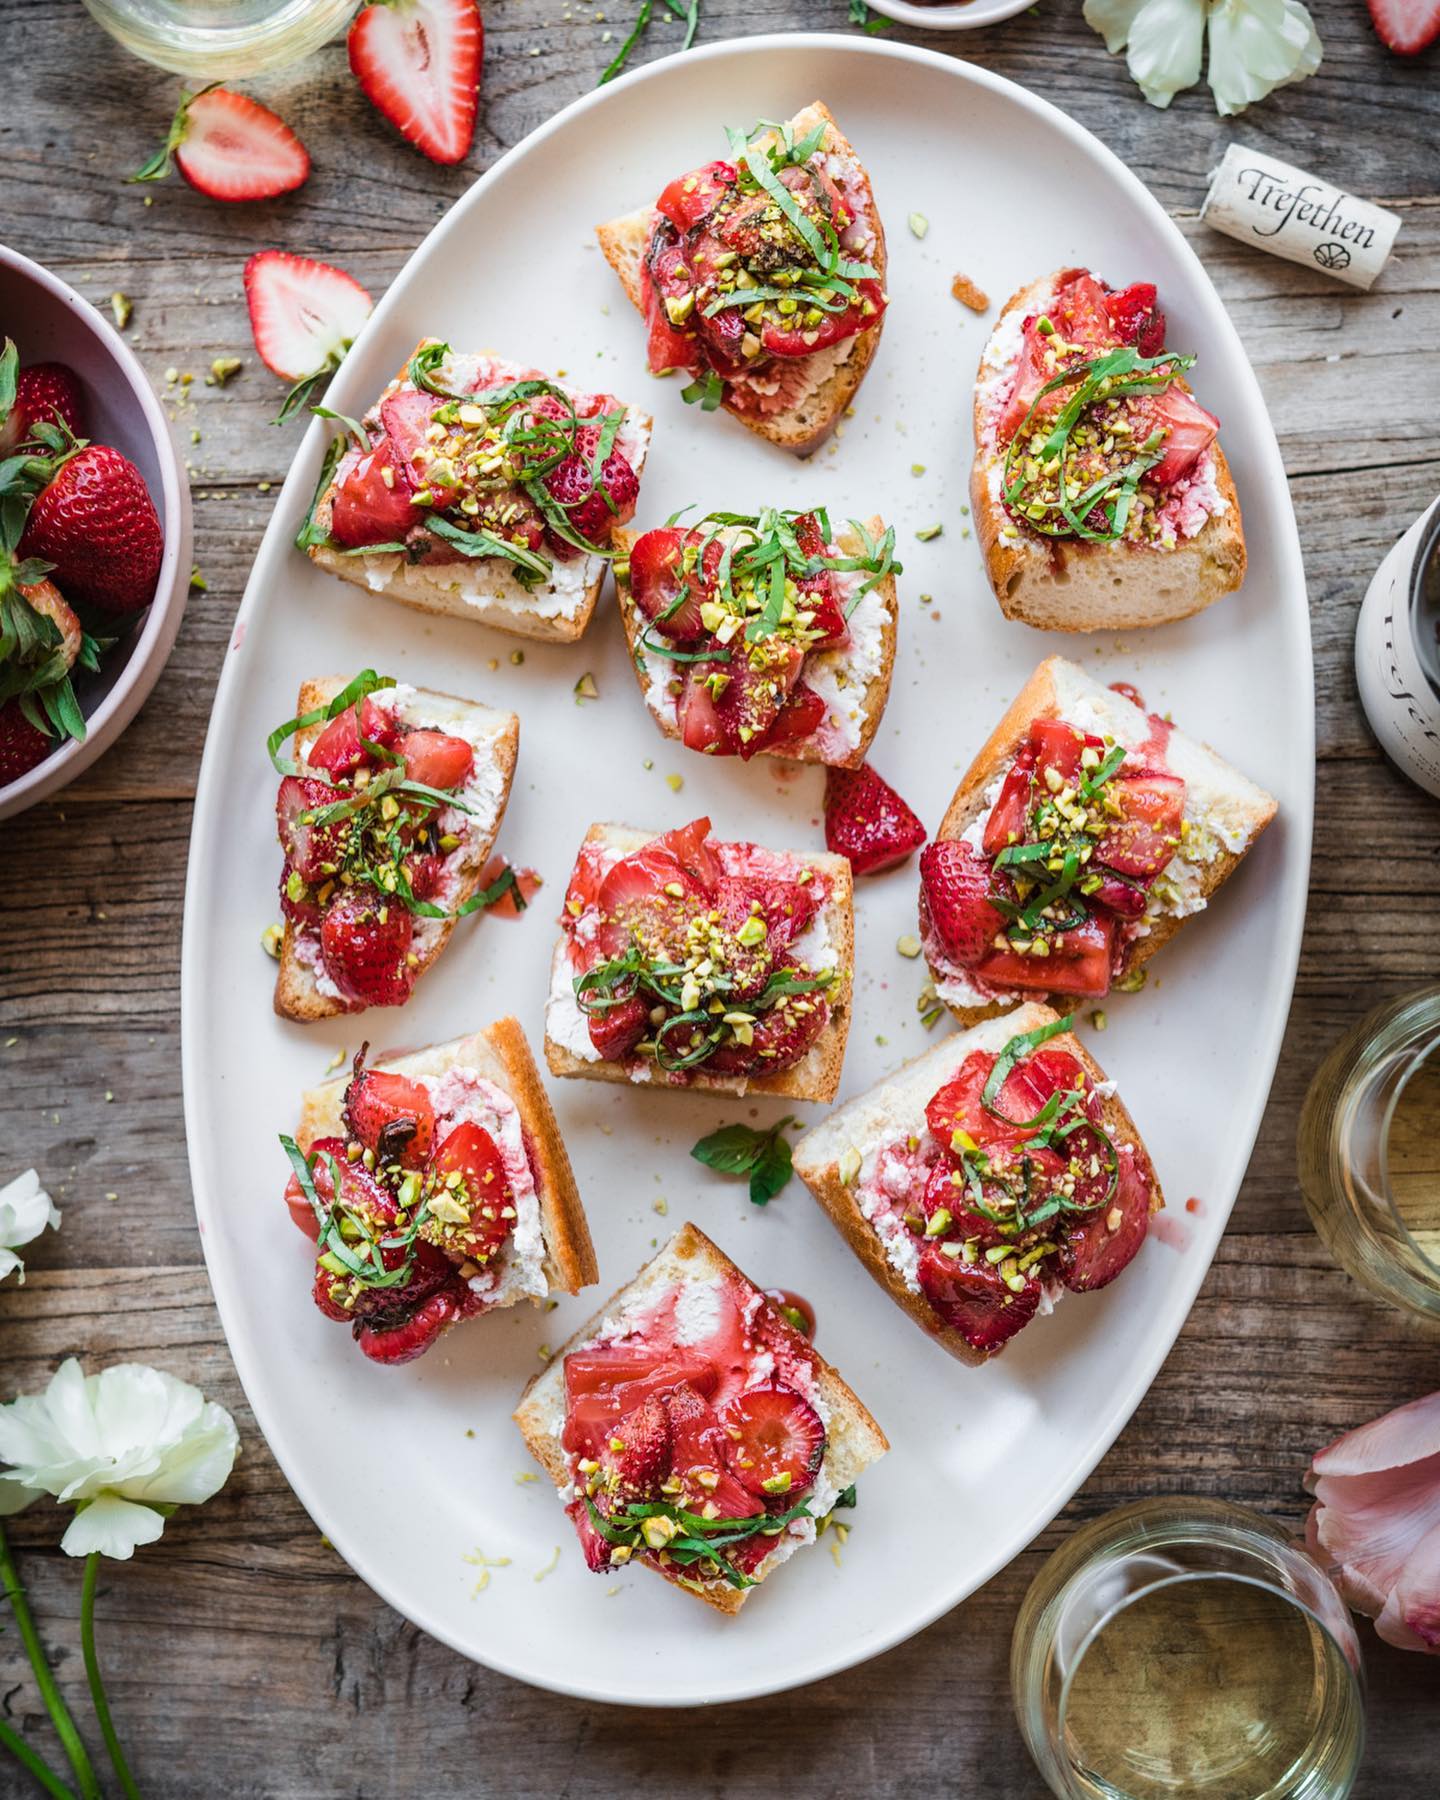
<point>963,15</point>
<point>50,322</point>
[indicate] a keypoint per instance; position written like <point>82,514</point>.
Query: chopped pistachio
<point>585,688</point>
<point>223,368</point>
<point>927,533</point>
<point>908,944</point>
<point>270,940</point>
<point>197,580</point>
<point>849,1166</point>
<point>675,783</point>
<point>919,224</point>
<point>122,306</point>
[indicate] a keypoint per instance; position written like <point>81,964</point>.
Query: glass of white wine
<point>214,40</point>
<point>1369,1145</point>
<point>1188,1650</point>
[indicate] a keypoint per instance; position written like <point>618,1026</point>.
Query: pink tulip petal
<point>1407,1435</point>
<point>1411,1618</point>
<point>1372,1524</point>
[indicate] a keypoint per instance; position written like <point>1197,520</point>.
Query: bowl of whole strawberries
<point>94,534</point>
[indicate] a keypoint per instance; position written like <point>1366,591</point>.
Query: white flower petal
<point>113,1527</point>
<point>15,1496</point>
<point>25,1210</point>
<point>1112,19</point>
<point>132,1431</point>
<point>1257,46</point>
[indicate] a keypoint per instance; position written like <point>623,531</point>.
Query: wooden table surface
<point>243,1657</point>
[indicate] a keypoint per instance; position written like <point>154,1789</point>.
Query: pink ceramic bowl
<point>50,322</point>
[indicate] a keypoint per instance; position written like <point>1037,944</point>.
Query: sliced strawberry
<point>372,504</point>
<point>958,1106</point>
<point>1406,26</point>
<point>1009,818</point>
<point>1118,893</point>
<point>1078,963</point>
<point>753,688</point>
<point>321,1294</point>
<point>231,148</point>
<point>650,897</point>
<point>313,851</point>
<point>418,61</point>
<point>637,1453</point>
<point>365,938</point>
<point>690,198</point>
<point>798,719</point>
<point>483,1189</point>
<point>867,822</point>
<point>1058,746</point>
<point>1133,314</point>
<point>782,1036</point>
<point>593,507</point>
<point>782,339</point>
<point>45,394</point>
<point>301,1211</point>
<point>593,1547</point>
<point>1079,316</point>
<point>605,1385</point>
<point>1189,432</point>
<point>1096,1246</point>
<point>338,749</point>
<point>403,1341</point>
<point>776,1442</point>
<point>699,1457</point>
<point>1147,833</point>
<point>666,275</point>
<point>657,578</point>
<point>304,314</point>
<point>787,907</point>
<point>436,759</point>
<point>975,1299</point>
<point>391,1115</point>
<point>946,1198</point>
<point>954,901</point>
<point>96,523</point>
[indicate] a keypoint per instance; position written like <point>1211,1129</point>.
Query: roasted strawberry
<point>1096,1246</point>
<point>637,1454</point>
<point>1079,962</point>
<point>314,851</point>
<point>328,1291</point>
<point>391,1116</point>
<point>45,394</point>
<point>1146,835</point>
<point>776,1442</point>
<point>606,1384</point>
<point>975,1299</point>
<point>954,901</point>
<point>1135,318</point>
<point>799,718</point>
<point>365,937</point>
<point>782,1036</point>
<point>96,523</point>
<point>301,1211</point>
<point>407,1338</point>
<point>1008,821</point>
<point>338,750</point>
<point>689,198</point>
<point>467,1175</point>
<point>22,745</point>
<point>668,595</point>
<point>436,759</point>
<point>650,897</point>
<point>373,503</point>
<point>593,508</point>
<point>430,1271</point>
<point>867,822</point>
<point>593,1547</point>
<point>948,1210</point>
<point>700,1457</point>
<point>786,907</point>
<point>616,1030</point>
<point>1189,432</point>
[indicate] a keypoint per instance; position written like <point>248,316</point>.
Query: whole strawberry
<point>867,822</point>
<point>96,523</point>
<point>44,393</point>
<point>21,744</point>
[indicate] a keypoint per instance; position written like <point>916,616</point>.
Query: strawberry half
<point>304,316</point>
<point>467,1168</point>
<point>418,62</point>
<point>867,822</point>
<point>391,1115</point>
<point>96,524</point>
<point>776,1442</point>
<point>1406,26</point>
<point>974,1298</point>
<point>413,1336</point>
<point>230,147</point>
<point>954,900</point>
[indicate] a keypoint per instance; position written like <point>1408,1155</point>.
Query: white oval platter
<point>412,1473</point>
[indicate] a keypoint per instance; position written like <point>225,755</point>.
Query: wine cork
<point>1262,201</point>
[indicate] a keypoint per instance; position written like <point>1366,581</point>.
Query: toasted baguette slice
<point>1224,812</point>
<point>853,1439</point>
<point>815,1077</point>
<point>483,590</point>
<point>856,677</point>
<point>1069,584</point>
<point>500,1054</point>
<point>895,1110</point>
<point>804,426</point>
<point>496,736</point>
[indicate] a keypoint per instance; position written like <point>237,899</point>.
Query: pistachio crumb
<point>919,224</point>
<point>122,306</point>
<point>908,944</point>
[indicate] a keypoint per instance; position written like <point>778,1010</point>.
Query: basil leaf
<point>743,1150</point>
<point>310,533</point>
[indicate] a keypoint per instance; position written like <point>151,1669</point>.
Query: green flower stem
<point>34,1762</point>
<point>97,1687</point>
<point>65,1727</point>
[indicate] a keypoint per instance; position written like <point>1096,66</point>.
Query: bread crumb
<point>963,289</point>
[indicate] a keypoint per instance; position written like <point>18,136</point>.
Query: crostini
<point>985,1179</point>
<point>688,963</point>
<point>762,277</point>
<point>1083,835</point>
<point>1101,495</point>
<point>435,1187</point>
<point>691,1428</point>
<point>389,804</point>
<point>763,634</point>
<point>483,490</point>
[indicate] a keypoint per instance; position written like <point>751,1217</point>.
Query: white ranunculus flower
<point>1255,45</point>
<point>118,1446</point>
<point>25,1210</point>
